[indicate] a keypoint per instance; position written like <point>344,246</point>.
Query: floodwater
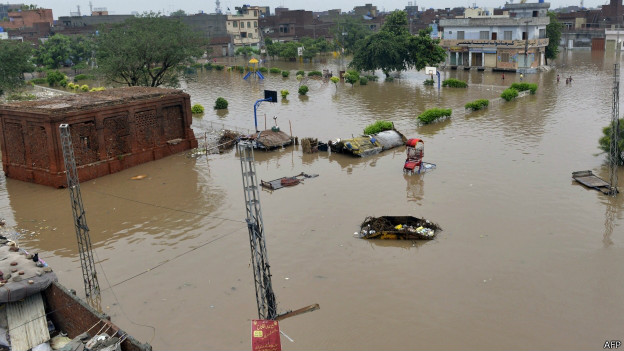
<point>527,259</point>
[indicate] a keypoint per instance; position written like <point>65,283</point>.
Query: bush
<point>53,77</point>
<point>218,67</point>
<point>377,127</point>
<point>315,74</point>
<point>80,77</point>
<point>240,69</point>
<point>478,104</point>
<point>509,94</point>
<point>197,109</point>
<point>263,69</point>
<point>605,141</point>
<point>363,80</point>
<point>389,79</point>
<point>433,114</point>
<point>372,77</point>
<point>84,87</point>
<point>221,104</point>
<point>284,93</point>
<point>39,81</point>
<point>285,74</point>
<point>197,65</point>
<point>352,77</point>
<point>303,90</point>
<point>525,86</point>
<point>454,83</point>
<point>208,66</point>
<point>275,70</point>
<point>63,82</point>
<point>71,85</point>
<point>334,79</point>
<point>300,73</point>
<point>429,82</point>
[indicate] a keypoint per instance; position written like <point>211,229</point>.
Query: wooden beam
<point>298,312</point>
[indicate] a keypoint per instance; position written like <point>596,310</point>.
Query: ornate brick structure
<point>111,130</point>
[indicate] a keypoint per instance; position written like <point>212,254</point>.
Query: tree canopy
<point>54,52</point>
<point>347,31</point>
<point>288,50</point>
<point>393,48</point>
<point>605,141</point>
<point>15,60</point>
<point>145,50</point>
<point>553,33</point>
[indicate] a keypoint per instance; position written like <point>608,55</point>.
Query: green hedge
<point>197,109</point>
<point>82,77</point>
<point>263,69</point>
<point>221,104</point>
<point>363,80</point>
<point>454,83</point>
<point>300,73</point>
<point>433,114</point>
<point>429,82</point>
<point>377,127</point>
<point>218,67</point>
<point>39,81</point>
<point>315,74</point>
<point>208,66</point>
<point>275,70</point>
<point>525,86</point>
<point>509,94</point>
<point>372,77</point>
<point>285,74</point>
<point>303,90</point>
<point>478,104</point>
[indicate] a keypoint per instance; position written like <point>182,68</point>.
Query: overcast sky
<point>122,7</point>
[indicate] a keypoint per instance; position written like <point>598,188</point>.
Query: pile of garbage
<point>397,228</point>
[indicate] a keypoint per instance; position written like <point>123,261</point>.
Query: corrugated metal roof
<point>28,326</point>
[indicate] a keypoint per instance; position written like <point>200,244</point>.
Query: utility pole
<point>89,274</point>
<point>526,44</point>
<point>265,298</point>
<point>614,153</point>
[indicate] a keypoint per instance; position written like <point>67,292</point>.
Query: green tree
<point>352,77</point>
<point>394,49</point>
<point>605,141</point>
<point>146,50</point>
<point>81,49</point>
<point>553,33</point>
<point>178,13</point>
<point>15,60</point>
<point>55,52</point>
<point>347,31</point>
<point>246,51</point>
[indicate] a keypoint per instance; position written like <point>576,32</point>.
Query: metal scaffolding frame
<point>614,153</point>
<point>89,274</point>
<point>265,298</point>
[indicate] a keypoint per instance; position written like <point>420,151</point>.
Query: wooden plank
<point>298,312</point>
<point>591,181</point>
<point>28,326</point>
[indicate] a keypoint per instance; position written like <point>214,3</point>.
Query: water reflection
<point>415,187</point>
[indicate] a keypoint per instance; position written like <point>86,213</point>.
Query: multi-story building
<point>515,40</point>
<point>28,18</point>
<point>243,27</point>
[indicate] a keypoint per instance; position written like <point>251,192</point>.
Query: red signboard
<point>265,335</point>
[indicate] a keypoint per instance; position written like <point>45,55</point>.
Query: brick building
<point>111,130</point>
<point>28,18</point>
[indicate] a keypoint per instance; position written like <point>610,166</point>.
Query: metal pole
<point>256,108</point>
<point>526,45</point>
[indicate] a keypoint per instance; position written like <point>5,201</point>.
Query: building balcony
<point>480,43</point>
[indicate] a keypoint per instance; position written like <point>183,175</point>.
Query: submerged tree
<point>15,60</point>
<point>393,48</point>
<point>146,50</point>
<point>553,33</point>
<point>605,141</point>
<point>347,31</point>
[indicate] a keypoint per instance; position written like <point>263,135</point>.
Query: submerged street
<point>527,259</point>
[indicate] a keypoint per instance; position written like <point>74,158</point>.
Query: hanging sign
<point>265,335</point>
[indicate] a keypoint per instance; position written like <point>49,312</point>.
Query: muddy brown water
<point>527,258</point>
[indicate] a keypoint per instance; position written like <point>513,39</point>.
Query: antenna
<point>218,9</point>
<point>90,7</point>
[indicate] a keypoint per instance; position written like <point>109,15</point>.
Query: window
<point>542,33</point>
<point>235,24</point>
<point>450,32</point>
<point>248,24</point>
<point>250,35</point>
<point>484,34</point>
<point>255,24</point>
<point>460,34</point>
<point>255,13</point>
<point>284,28</point>
<point>243,35</point>
<point>507,35</point>
<point>504,57</point>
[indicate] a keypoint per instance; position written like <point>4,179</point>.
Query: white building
<point>243,26</point>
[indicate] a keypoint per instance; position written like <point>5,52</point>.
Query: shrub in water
<point>525,86</point>
<point>303,90</point>
<point>509,94</point>
<point>275,70</point>
<point>284,93</point>
<point>372,77</point>
<point>315,74</point>
<point>218,67</point>
<point>454,83</point>
<point>285,74</point>
<point>377,127</point>
<point>477,104</point>
<point>429,82</point>
<point>197,108</point>
<point>263,69</point>
<point>221,103</point>
<point>300,73</point>
<point>363,80</point>
<point>352,77</point>
<point>433,114</point>
<point>208,66</point>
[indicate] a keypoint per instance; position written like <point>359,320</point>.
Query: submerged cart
<point>398,228</point>
<point>415,153</point>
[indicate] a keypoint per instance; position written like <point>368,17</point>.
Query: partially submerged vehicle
<point>368,145</point>
<point>398,228</point>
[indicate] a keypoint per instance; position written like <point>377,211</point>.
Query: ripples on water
<point>527,258</point>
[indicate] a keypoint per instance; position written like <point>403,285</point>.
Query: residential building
<point>28,18</point>
<point>243,27</point>
<point>516,41</point>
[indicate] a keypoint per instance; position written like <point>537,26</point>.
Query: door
<point>493,35</point>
